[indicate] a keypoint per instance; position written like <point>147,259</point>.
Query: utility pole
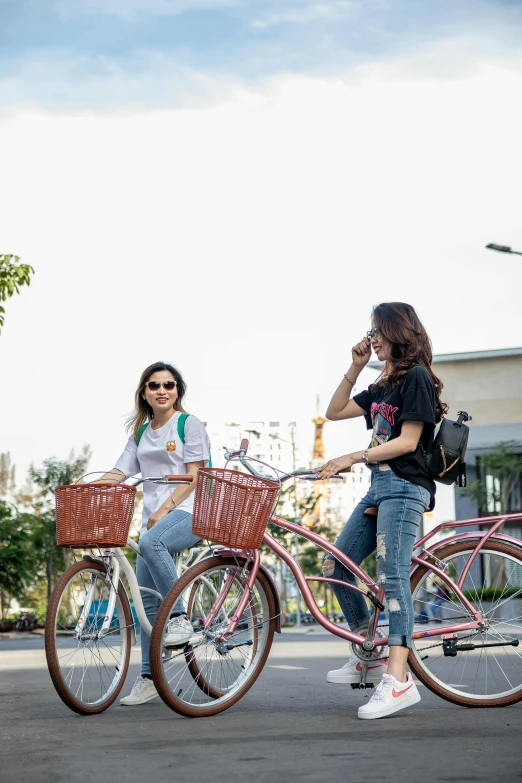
<point>297,519</point>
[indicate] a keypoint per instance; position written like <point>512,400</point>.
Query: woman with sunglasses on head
<point>155,448</point>
<point>402,408</point>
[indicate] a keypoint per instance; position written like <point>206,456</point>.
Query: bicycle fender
<point>92,559</point>
<point>242,555</point>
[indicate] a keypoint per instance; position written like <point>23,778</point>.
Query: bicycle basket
<point>93,514</point>
<point>232,508</point>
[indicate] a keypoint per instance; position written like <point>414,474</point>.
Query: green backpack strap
<point>182,420</point>
<point>181,426</point>
<point>181,432</point>
<point>140,433</point>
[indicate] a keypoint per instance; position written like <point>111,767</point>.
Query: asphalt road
<point>292,726</point>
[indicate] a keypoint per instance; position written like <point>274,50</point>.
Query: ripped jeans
<point>401,505</point>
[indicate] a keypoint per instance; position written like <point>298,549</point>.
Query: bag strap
<point>140,433</point>
<point>181,426</point>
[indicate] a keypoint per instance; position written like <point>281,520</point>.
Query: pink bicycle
<point>466,654</point>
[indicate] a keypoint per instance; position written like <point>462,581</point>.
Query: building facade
<point>488,385</point>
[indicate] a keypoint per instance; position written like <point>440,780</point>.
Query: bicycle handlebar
<point>186,479</point>
<point>307,474</point>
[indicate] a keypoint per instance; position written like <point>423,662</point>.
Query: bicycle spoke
<point>89,667</point>
<point>492,670</point>
<point>212,671</point>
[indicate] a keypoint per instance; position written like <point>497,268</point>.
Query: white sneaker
<point>389,697</point>
<point>143,690</point>
<point>179,632</point>
<point>351,671</point>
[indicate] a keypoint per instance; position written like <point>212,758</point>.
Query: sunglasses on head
<point>155,385</point>
<point>373,334</point>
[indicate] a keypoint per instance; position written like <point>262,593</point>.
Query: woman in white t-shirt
<point>167,513</point>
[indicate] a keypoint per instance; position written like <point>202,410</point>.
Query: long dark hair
<point>401,327</point>
<point>142,410</point>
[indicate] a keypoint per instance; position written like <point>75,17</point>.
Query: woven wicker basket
<point>232,508</point>
<point>93,514</point>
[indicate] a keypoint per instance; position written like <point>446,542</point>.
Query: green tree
<point>13,275</point>
<point>53,473</point>
<point>18,567</point>
<point>310,555</point>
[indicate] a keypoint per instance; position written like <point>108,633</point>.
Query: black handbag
<point>445,458</point>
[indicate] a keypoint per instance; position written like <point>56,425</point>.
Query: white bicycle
<point>91,622</point>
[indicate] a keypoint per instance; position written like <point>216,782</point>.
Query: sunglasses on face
<point>155,385</point>
<point>373,334</point>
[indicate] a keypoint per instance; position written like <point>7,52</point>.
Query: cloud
<point>133,9</point>
<point>74,82</point>
<point>305,12</point>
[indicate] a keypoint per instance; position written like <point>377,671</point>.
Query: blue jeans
<point>392,533</point>
<point>156,568</point>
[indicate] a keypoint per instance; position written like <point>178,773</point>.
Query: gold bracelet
<point>348,379</point>
<point>173,501</point>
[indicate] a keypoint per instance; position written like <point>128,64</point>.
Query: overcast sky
<point>231,186</point>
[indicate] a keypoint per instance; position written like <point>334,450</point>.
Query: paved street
<point>291,726</point>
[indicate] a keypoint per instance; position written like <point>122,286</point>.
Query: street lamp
<point>296,513</point>
<point>503,249</point>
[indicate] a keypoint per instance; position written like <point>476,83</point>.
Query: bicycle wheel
<point>483,676</point>
<point>207,677</point>
<point>87,671</point>
<point>197,609</point>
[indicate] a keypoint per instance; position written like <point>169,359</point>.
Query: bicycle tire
<point>414,660</point>
<point>221,700</point>
<point>51,652</point>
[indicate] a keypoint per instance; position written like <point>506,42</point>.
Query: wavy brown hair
<point>142,411</point>
<point>410,345</point>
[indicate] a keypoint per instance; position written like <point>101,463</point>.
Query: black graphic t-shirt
<point>413,399</point>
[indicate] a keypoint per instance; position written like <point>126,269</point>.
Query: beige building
<point>488,385</point>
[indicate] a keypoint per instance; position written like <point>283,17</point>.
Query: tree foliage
<point>52,474</point>
<point>13,275</point>
<point>18,565</point>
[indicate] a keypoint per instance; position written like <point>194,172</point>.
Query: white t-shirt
<point>161,453</point>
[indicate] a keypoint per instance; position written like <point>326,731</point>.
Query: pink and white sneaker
<point>351,672</point>
<point>390,696</point>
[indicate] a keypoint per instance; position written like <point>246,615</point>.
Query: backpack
<point>181,432</point>
<point>445,458</point>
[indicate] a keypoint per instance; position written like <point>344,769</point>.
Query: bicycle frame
<point>116,561</point>
<point>375,591</point>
